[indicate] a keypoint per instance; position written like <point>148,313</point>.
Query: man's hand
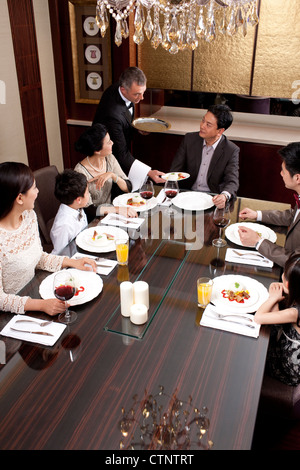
<point>248,236</point>
<point>219,200</point>
<point>155,175</point>
<point>248,214</point>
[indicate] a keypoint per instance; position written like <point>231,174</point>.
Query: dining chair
<point>46,204</point>
<point>279,399</point>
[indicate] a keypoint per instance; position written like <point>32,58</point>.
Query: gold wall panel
<point>277,61</point>
<point>224,65</point>
<point>164,70</point>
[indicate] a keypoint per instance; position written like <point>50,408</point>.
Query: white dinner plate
<point>193,201</point>
<point>231,232</point>
<point>121,201</point>
<point>176,175</point>
<point>85,238</point>
<point>89,285</point>
<point>257,291</point>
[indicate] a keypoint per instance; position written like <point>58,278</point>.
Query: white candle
<point>141,293</point>
<point>126,297</point>
<point>138,314</point>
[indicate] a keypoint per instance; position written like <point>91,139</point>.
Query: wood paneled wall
<point>29,81</point>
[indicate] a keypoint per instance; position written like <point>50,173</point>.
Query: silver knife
<point>33,332</point>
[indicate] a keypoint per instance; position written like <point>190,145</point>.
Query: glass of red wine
<point>64,289</point>
<point>171,190</point>
<point>147,191</point>
<point>221,219</point>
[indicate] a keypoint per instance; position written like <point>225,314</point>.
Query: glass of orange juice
<point>204,290</point>
<point>122,250</point>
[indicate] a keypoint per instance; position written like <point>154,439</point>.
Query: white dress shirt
<point>66,226</point>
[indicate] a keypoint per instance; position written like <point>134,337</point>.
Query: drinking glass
<point>204,290</point>
<point>171,190</point>
<point>221,219</point>
<point>147,191</point>
<point>64,289</point>
<point>122,251</point>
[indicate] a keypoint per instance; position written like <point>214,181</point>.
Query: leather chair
<point>46,204</point>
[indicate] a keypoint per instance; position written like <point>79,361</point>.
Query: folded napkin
<point>122,221</point>
<point>233,323</point>
<point>162,200</point>
<point>27,329</point>
<point>249,257</point>
<point>107,265</point>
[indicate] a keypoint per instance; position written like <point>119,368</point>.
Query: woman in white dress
<point>20,246</point>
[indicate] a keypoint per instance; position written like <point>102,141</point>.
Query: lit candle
<point>138,314</point>
<point>126,297</point>
<point>141,293</point>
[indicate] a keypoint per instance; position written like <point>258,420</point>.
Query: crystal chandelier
<point>177,24</point>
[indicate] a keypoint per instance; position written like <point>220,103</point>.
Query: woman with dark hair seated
<point>20,246</point>
<point>100,167</point>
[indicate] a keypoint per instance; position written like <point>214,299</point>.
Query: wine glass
<point>64,289</point>
<point>171,190</point>
<point>221,219</point>
<point>147,191</point>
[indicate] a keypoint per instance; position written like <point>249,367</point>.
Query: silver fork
<point>248,254</point>
<point>43,323</point>
<point>123,221</point>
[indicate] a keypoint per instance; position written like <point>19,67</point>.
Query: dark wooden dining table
<point>105,379</point>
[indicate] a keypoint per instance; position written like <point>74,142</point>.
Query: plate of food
<point>88,286</point>
<point>136,201</point>
<point>238,294</point>
<point>100,239</point>
<point>193,201</point>
<point>147,124</point>
<point>232,232</point>
<point>176,176</point>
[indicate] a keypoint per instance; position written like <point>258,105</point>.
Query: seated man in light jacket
<point>290,218</point>
<point>209,157</point>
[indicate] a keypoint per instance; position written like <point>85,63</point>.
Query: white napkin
<point>138,174</point>
<point>249,257</point>
<point>210,319</point>
<point>162,200</point>
<point>54,328</point>
<point>111,264</point>
<point>121,221</point>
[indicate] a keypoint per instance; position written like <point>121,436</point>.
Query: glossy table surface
<point>75,394</point>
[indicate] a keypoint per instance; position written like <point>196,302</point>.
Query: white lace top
<point>20,254</point>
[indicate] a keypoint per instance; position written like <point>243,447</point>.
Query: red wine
<point>64,292</point>
<point>146,194</point>
<point>221,221</point>
<point>170,193</point>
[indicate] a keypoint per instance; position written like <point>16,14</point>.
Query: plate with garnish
<point>136,201</point>
<point>100,239</point>
<point>232,232</point>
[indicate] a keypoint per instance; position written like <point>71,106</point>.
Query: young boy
<point>71,189</point>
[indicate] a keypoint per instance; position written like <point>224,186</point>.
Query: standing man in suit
<point>290,173</point>
<point>116,111</point>
<point>209,157</point>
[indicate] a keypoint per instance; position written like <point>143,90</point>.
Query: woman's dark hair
<point>70,185</point>
<point>15,178</point>
<point>91,140</point>
<point>222,113</point>
<point>292,275</point>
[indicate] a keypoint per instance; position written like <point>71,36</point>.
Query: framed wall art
<point>90,52</point>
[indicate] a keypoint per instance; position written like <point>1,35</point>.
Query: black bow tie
<point>297,197</point>
<point>130,106</point>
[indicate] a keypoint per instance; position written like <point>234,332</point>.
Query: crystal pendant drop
<point>222,25</point>
<point>239,17</point>
<point>174,30</point>
<point>174,48</point>
<point>253,14</point>
<point>165,43</point>
<point>200,29</point>
<point>231,28</point>
<point>156,36</point>
<point>148,27</point>
<point>118,34</point>
<point>138,19</point>
<point>138,37</point>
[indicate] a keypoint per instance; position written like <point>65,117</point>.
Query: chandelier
<point>176,25</point>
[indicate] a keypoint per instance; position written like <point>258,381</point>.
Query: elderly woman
<point>20,246</point>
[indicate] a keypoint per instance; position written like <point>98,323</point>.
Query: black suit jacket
<point>223,172</point>
<point>112,112</point>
